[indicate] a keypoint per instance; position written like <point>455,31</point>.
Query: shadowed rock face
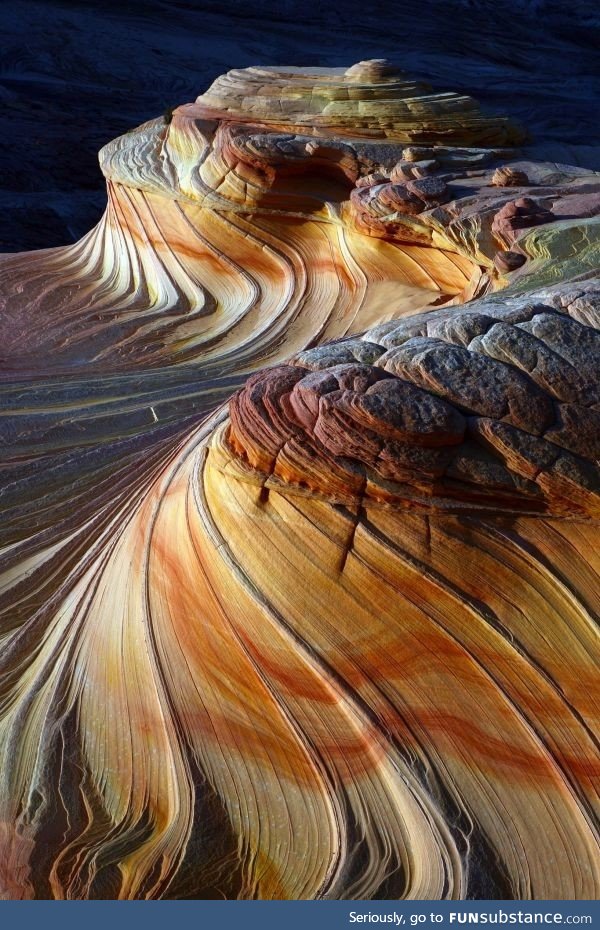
<point>299,566</point>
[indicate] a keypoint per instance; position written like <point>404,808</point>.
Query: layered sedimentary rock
<point>299,565</point>
<point>73,79</point>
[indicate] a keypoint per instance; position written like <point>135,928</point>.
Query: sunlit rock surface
<point>299,565</point>
<point>71,78</point>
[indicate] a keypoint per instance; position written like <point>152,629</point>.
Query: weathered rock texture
<point>493,406</point>
<point>72,78</point>
<point>336,637</point>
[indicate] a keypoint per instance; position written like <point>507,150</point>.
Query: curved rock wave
<point>336,638</point>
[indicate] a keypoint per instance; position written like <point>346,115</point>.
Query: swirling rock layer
<point>370,98</point>
<point>338,637</point>
<point>72,79</point>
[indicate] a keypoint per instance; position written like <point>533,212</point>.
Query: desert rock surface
<point>299,565</point>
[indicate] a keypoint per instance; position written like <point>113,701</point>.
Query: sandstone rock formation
<point>72,79</point>
<point>300,509</point>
